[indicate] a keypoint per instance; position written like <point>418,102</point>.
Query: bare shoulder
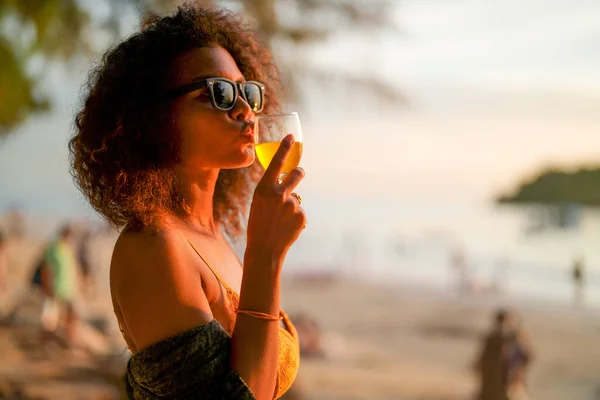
<point>142,247</point>
<point>157,291</point>
<point>143,252</point>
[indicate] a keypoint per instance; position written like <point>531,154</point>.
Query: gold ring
<point>297,196</point>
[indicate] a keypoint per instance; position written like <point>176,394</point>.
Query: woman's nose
<point>241,111</point>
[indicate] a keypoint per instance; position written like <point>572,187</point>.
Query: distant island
<point>555,186</point>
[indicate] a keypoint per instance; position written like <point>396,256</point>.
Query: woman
<point>164,147</point>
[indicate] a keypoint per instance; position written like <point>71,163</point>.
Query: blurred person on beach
<point>578,276</point>
<point>504,359</point>
<point>52,290</point>
<point>164,149</point>
<point>59,282</point>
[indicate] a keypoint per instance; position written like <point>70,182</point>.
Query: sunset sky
<point>495,91</point>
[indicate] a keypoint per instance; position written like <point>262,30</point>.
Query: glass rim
<point>290,114</point>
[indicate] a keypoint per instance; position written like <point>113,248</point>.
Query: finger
<point>274,170</point>
<point>291,205</point>
<point>292,180</point>
<point>302,219</point>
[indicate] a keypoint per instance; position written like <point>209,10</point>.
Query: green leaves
<point>554,186</point>
<point>43,30</point>
<point>16,90</point>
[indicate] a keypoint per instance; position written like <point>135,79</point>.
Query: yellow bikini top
<point>289,345</point>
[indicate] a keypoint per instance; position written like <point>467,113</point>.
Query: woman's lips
<point>248,130</point>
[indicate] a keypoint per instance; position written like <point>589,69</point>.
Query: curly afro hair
<point>123,150</point>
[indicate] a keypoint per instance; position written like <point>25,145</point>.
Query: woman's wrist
<point>260,284</point>
<point>262,260</point>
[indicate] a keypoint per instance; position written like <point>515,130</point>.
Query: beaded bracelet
<point>259,315</point>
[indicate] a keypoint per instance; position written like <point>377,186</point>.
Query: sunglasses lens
<point>224,94</point>
<point>253,96</point>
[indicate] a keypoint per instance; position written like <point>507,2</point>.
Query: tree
<point>35,31</point>
<point>556,186</point>
<point>42,32</point>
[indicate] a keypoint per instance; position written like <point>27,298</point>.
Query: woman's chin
<point>246,158</point>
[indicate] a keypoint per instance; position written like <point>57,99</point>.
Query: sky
<point>496,90</point>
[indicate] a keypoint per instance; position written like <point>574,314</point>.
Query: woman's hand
<point>276,218</point>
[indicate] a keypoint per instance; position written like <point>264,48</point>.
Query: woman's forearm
<point>255,341</point>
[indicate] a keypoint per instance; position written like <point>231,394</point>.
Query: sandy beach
<point>380,342</point>
<point>408,343</point>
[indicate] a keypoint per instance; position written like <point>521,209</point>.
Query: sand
<point>381,342</point>
<point>410,343</point>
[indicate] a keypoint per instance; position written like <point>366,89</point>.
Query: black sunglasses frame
<point>238,89</point>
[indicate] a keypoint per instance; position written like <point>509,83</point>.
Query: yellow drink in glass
<point>266,151</point>
<point>270,131</point>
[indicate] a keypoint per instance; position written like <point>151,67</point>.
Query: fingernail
<point>290,140</point>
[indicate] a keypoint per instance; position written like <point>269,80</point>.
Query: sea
<point>515,251</point>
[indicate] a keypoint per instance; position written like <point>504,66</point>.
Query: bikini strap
<point>225,285</point>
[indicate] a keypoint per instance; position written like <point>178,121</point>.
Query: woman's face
<point>211,138</point>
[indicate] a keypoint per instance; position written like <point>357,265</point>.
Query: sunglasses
<point>224,92</point>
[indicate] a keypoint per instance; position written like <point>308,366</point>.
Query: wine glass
<point>269,130</point>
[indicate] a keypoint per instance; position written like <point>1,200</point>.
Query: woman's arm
<point>275,222</point>
<point>255,342</point>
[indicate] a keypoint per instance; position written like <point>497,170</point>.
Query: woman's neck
<point>197,189</point>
